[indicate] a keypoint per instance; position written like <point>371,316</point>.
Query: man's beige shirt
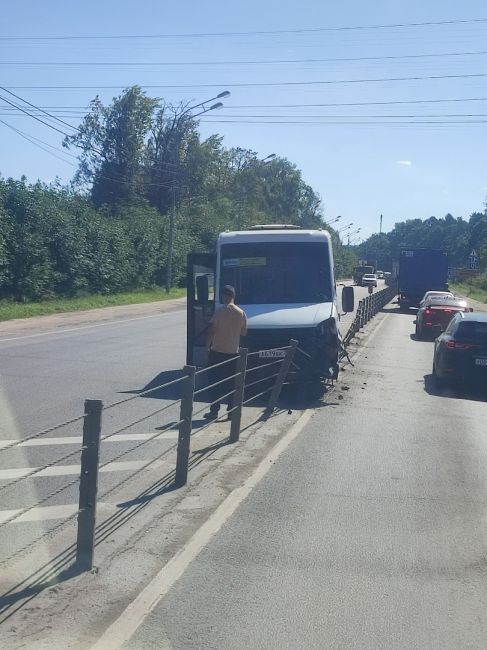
<point>229,324</point>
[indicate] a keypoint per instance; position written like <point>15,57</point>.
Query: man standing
<point>228,324</point>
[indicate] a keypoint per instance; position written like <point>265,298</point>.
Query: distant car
<point>461,351</point>
<point>380,275</point>
<point>436,313</point>
<point>387,274</point>
<point>434,294</point>
<point>369,279</point>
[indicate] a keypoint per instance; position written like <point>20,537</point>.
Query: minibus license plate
<point>272,354</point>
<point>481,362</point>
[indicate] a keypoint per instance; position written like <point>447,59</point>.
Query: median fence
<point>248,378</point>
<point>367,308</point>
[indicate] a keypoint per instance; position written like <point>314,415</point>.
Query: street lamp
<point>172,217</point>
<point>327,223</point>
<point>352,234</point>
<point>346,227</point>
<point>268,159</point>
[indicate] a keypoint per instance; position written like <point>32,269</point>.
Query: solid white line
<point>122,321</point>
<point>133,616</point>
<point>77,440</point>
<point>47,513</point>
<point>68,470</point>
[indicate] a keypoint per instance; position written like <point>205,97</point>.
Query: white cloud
<point>406,163</point>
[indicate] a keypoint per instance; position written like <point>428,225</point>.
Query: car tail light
<point>428,311</point>
<point>456,345</point>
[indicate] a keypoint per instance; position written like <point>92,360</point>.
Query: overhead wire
<point>268,84</point>
<point>249,62</point>
<point>32,140</point>
<point>38,119</point>
<point>429,23</point>
<point>53,117</point>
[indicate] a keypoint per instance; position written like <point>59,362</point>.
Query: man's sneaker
<point>211,415</point>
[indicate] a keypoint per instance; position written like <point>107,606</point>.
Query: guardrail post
<point>236,415</point>
<point>88,484</point>
<point>283,370</point>
<point>185,426</point>
<point>361,314</point>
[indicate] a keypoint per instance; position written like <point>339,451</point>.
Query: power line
<point>263,84</point>
<point>312,117</point>
<point>37,108</point>
<point>250,62</point>
<point>31,139</point>
<point>81,110</point>
<point>383,103</point>
<point>314,30</point>
<point>20,108</point>
<point>329,115</point>
<point>349,122</point>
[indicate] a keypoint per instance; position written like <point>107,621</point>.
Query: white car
<point>369,279</point>
<point>434,295</point>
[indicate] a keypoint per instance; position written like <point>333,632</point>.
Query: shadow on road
<point>457,390</point>
<point>396,310</point>
<point>422,339</point>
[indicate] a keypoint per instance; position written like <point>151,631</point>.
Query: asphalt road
<point>45,378</point>
<point>368,532</point>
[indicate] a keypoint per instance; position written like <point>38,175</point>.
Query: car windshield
<point>277,272</point>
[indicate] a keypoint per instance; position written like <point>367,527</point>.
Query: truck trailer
<point>420,270</point>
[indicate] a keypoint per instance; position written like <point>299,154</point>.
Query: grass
<point>476,290</point>
<point>10,309</point>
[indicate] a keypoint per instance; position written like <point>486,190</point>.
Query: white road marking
<point>122,321</point>
<point>46,513</point>
<point>70,470</point>
<point>123,628</point>
<point>77,440</point>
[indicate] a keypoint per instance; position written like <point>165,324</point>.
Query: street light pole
<point>172,215</point>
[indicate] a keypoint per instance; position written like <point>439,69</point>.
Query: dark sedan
<point>460,353</point>
<point>433,317</point>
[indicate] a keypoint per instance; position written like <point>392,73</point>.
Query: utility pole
<point>380,228</point>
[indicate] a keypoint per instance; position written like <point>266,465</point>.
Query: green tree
<point>112,140</point>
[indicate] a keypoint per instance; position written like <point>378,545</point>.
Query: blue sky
<point>401,170</point>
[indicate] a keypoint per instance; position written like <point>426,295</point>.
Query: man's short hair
<point>228,290</point>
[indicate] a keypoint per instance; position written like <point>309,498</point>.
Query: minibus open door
<point>200,306</point>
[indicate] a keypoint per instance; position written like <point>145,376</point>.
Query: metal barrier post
<point>88,485</point>
<point>361,311</point>
<point>236,415</point>
<point>283,370</point>
<point>185,426</point>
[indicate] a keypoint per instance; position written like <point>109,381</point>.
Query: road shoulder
<point>56,322</point>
